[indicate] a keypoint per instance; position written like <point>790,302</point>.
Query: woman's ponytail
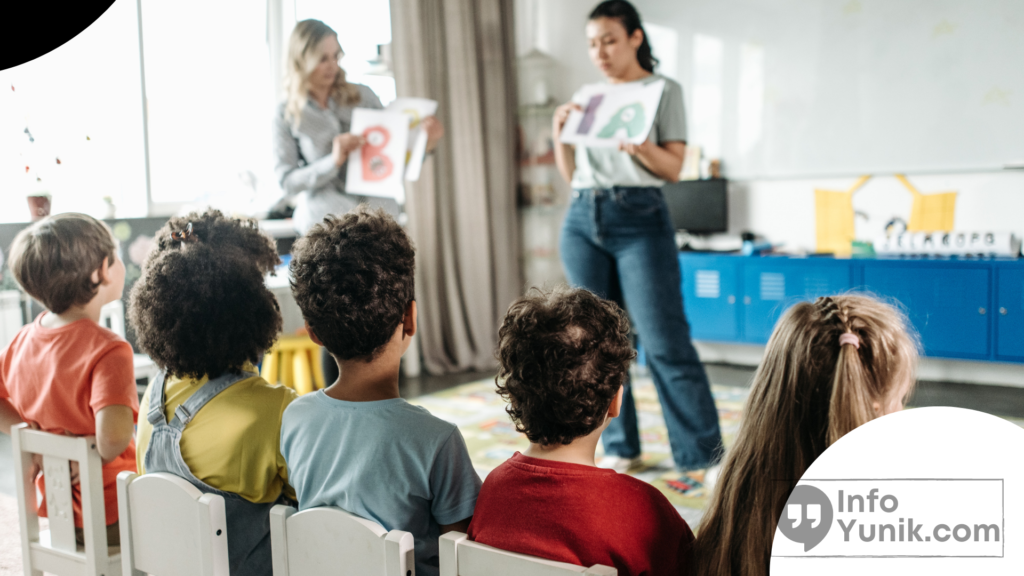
<point>627,15</point>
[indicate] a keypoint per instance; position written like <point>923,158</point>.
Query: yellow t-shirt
<point>232,443</point>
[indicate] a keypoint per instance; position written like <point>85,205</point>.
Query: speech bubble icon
<point>814,514</point>
<point>808,516</point>
<point>795,515</point>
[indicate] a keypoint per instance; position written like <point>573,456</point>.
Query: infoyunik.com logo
<point>893,518</point>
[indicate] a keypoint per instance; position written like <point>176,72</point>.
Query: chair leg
<point>270,367</point>
<point>318,369</point>
<point>287,369</point>
<point>302,373</point>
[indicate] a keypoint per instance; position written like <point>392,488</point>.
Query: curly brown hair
<point>562,357</point>
<point>53,259</point>
<point>201,307</point>
<point>353,278</point>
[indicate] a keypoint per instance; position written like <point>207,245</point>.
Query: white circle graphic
<point>926,490</point>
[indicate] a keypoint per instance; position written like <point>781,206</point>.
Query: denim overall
<point>249,552</point>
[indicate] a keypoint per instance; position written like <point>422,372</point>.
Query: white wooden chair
<point>55,550</point>
<point>112,317</point>
<point>170,528</point>
<point>463,557</point>
<point>329,540</point>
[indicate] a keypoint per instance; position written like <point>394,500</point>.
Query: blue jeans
<point>619,244</point>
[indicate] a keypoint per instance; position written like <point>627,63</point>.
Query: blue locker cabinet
<point>1010,314</point>
<point>773,285</point>
<point>948,304</point>
<point>970,309</point>
<point>711,291</point>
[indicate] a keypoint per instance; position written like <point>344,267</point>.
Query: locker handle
<point>981,311</point>
<point>1002,311</point>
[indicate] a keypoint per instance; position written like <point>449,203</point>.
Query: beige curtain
<point>462,211</point>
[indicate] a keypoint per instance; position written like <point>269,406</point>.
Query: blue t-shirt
<point>387,461</point>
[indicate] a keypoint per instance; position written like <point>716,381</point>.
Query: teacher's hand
<point>635,149</point>
<point>561,115</point>
<point>343,145</point>
<point>435,131</point>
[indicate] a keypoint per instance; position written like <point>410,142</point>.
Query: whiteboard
<point>799,88</point>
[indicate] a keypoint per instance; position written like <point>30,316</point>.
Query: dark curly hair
<point>201,307</point>
<point>562,356</point>
<point>352,276</point>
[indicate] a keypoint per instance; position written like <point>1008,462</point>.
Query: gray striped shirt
<point>305,167</point>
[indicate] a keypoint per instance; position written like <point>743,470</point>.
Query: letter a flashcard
<point>613,114</point>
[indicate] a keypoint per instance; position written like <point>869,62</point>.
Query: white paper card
<point>416,109</point>
<point>613,114</point>
<point>376,169</point>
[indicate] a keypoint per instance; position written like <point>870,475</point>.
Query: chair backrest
<point>170,528</point>
<point>55,550</point>
<point>10,315</point>
<point>463,557</point>
<point>112,317</point>
<point>331,541</point>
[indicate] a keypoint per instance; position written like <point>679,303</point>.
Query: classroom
<point>532,287</point>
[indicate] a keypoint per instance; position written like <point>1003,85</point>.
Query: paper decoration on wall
<point>612,114</point>
<point>930,212</point>
<point>834,219</point>
<point>416,109</point>
<point>376,169</point>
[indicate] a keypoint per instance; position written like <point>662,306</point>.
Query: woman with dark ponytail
<point>629,19</point>
<point>618,242</point>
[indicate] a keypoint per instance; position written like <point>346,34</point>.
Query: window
<point>362,26</point>
<point>210,87</point>
<point>210,104</point>
<point>80,104</point>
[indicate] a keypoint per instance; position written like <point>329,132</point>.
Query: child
<point>64,373</point>
<point>829,367</point>
<point>563,357</point>
<point>203,313</point>
<point>358,445</point>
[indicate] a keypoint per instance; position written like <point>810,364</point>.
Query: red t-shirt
<point>581,515</point>
<point>59,378</point>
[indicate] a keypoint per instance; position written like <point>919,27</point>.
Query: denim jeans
<point>619,244</point>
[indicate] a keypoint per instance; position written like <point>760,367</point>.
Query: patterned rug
<point>479,413</point>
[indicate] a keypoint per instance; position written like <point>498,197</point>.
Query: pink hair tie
<point>849,338</point>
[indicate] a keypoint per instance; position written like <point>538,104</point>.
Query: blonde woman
<point>830,366</point>
<point>312,141</point>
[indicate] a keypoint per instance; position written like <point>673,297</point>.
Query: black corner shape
<point>36,28</point>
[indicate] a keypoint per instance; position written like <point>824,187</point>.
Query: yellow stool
<point>295,362</point>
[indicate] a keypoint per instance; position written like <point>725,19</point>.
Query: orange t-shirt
<point>59,378</point>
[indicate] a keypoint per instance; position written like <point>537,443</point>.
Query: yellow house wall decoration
<point>930,212</point>
<point>834,219</point>
<point>834,215</point>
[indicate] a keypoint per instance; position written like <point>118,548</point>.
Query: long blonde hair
<point>808,392</point>
<point>303,57</point>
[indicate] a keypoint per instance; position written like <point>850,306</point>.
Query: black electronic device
<point>698,206</point>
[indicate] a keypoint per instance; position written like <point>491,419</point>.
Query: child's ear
<point>616,407</point>
<point>99,275</point>
<point>409,321</point>
<point>312,335</point>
